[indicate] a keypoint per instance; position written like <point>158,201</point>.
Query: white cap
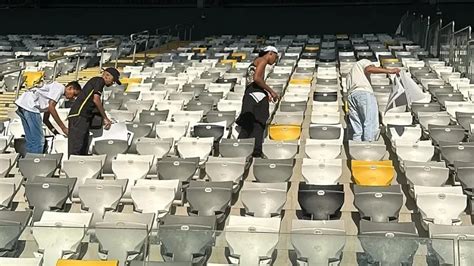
<point>270,49</point>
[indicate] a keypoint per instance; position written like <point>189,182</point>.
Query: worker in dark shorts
<point>255,103</point>
<point>87,104</point>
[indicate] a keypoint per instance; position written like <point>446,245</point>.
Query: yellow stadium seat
<point>31,78</point>
<point>387,61</point>
<point>241,55</point>
<point>229,61</point>
<point>311,49</point>
<point>199,50</point>
<point>372,173</point>
<point>128,81</point>
<point>365,163</point>
<point>86,263</point>
<point>300,81</point>
<point>284,132</point>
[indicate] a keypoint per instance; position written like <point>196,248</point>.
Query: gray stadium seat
<point>236,148</point>
<point>263,199</point>
<point>110,148</point>
<point>273,171</point>
<point>280,149</point>
<point>378,204</point>
<point>99,198</point>
<point>12,223</point>
<point>209,198</point>
<point>320,202</point>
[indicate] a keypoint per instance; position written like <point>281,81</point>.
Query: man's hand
<point>395,71</point>
<point>65,130</point>
<point>107,123</point>
<point>273,97</point>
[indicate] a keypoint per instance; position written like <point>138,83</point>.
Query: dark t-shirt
<point>84,105</point>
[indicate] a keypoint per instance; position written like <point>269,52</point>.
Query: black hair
<point>75,85</point>
<point>262,53</point>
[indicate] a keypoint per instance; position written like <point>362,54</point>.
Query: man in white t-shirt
<point>42,100</point>
<point>363,110</point>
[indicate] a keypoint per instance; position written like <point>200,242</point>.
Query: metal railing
<point>459,46</point>
<point>470,60</point>
<point>445,43</point>
<point>13,66</point>
<point>64,53</point>
<point>103,44</point>
<point>138,38</point>
<point>433,38</point>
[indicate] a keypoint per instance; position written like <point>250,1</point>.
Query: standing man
<point>36,101</point>
<point>82,111</point>
<point>363,110</point>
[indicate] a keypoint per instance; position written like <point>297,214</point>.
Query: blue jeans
<point>33,127</point>
<point>363,115</point>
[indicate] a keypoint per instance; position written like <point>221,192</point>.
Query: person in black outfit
<point>254,115</point>
<point>87,103</point>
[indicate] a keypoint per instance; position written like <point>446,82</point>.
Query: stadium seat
<point>433,118</point>
<point>327,238</point>
<point>216,131</point>
<point>465,119</point>
<point>448,240</point>
<point>110,148</point>
<point>372,173</point>
<point>188,116</point>
<point>195,147</point>
<point>121,236</point>
<point>452,152</point>
<point>377,240</point>
<point>273,149</point>
<point>251,240</point>
<point>159,148</point>
<point>218,116</point>
<point>284,132</point>
<point>139,131</point>
<point>421,151</point>
<point>320,202</point>
<point>263,199</point>
<point>321,172</point>
<point>5,142</point>
<point>273,170</point>
<point>131,166</point>
<point>99,198</point>
<point>425,174</point>
<point>367,151</point>
<point>82,169</point>
<point>166,130</point>
<point>8,189</point>
<point>404,133</point>
<point>440,205</point>
<point>288,118</point>
<point>326,132</point>
<point>45,193</point>
<point>154,196</point>
<point>154,117</point>
<point>187,238</point>
<point>7,161</point>
<point>378,204</point>
<point>12,223</point>
<point>445,134</point>
<point>209,198</point>
<point>31,167</point>
<point>225,169</point>
<point>21,261</point>
<point>323,149</point>
<point>230,148</point>
<point>59,233</point>
<point>86,263</point>
<point>32,78</point>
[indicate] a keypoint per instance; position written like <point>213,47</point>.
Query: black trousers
<point>254,130</point>
<point>78,138</point>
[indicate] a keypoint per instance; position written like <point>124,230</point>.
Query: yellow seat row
<point>128,81</point>
<point>301,81</point>
<point>284,132</point>
<point>32,77</point>
<point>229,61</point>
<point>200,50</point>
<point>373,173</point>
<point>86,263</point>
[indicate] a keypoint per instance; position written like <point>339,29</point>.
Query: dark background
<point>222,16</point>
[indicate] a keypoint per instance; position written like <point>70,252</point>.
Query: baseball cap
<point>115,73</point>
<point>270,49</point>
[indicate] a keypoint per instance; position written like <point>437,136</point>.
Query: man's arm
<point>380,70</point>
<point>52,110</point>
<point>100,107</point>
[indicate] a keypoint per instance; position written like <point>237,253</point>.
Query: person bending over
<point>363,110</point>
<point>43,100</point>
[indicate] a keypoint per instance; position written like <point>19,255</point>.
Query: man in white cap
<point>255,107</point>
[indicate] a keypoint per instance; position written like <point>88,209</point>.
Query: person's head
<point>111,76</point>
<point>72,89</point>
<point>270,53</point>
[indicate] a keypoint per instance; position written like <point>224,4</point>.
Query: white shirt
<point>357,80</point>
<point>36,100</point>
